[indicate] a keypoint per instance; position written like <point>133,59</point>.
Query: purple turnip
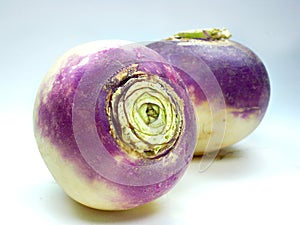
<point>115,125</point>
<point>218,66</point>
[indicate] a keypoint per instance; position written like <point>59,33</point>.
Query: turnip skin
<point>240,74</point>
<point>58,138</point>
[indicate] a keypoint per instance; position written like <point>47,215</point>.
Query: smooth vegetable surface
<point>217,65</point>
<point>114,124</point>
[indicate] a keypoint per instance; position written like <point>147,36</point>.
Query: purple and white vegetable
<point>114,124</point>
<point>227,82</point>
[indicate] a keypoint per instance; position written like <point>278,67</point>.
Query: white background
<point>256,182</point>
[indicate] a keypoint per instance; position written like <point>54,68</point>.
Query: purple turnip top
<point>114,124</point>
<point>227,82</point>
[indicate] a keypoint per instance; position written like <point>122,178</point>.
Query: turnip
<point>115,125</point>
<point>216,65</point>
